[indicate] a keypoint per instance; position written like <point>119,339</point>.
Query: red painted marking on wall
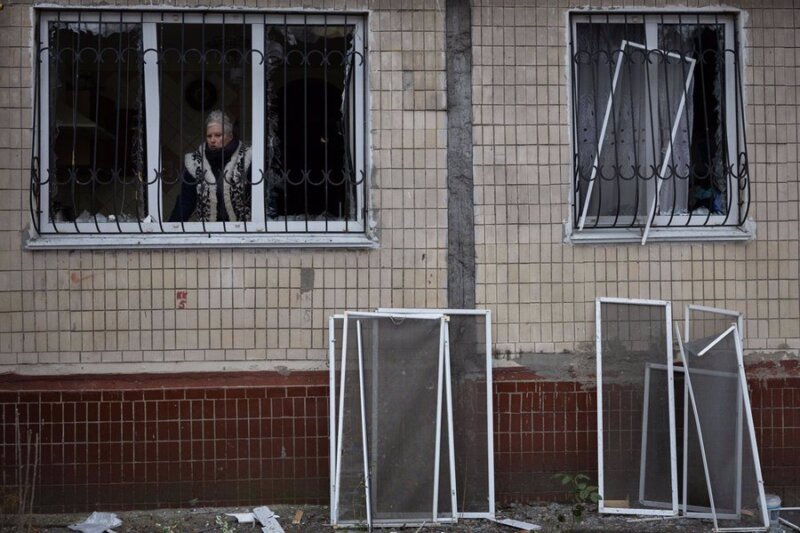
<point>181,299</point>
<point>76,278</point>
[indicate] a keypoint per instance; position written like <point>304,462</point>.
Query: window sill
<point>173,241</point>
<point>684,234</point>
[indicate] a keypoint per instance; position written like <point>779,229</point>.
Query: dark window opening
<point>97,117</point>
<point>310,90</point>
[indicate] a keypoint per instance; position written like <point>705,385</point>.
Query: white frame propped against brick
<point>647,511</point>
<point>687,509</point>
<point>443,389</point>
<point>751,436</point>
<point>490,512</point>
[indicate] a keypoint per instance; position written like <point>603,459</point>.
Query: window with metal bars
<point>658,130</point>
<point>128,104</point>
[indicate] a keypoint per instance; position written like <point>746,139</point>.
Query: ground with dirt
<point>551,516</point>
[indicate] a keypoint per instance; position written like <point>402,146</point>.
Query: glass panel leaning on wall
<point>202,123</point>
<point>658,121</point>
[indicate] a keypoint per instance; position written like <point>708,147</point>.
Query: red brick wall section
<point>181,444</point>
<point>134,442</point>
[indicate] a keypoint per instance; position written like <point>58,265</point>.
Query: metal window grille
<point>121,110</point>
<point>658,130</point>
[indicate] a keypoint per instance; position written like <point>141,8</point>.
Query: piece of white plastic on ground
<point>519,524</point>
<point>266,518</point>
<point>97,523</point>
<point>243,518</point>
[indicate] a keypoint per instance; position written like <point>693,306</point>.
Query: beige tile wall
<point>117,310</point>
<point>542,290</point>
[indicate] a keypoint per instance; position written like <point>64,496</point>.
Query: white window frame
<point>682,227</point>
<point>154,231</point>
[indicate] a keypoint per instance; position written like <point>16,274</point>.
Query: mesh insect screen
<point>401,383</point>
<point>636,456</point>
<point>706,324</point>
<point>725,425</point>
<point>468,376</point>
<point>791,518</point>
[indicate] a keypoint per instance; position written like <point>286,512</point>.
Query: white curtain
<point>644,106</point>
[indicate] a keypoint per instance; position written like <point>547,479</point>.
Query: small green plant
<point>582,492</point>
<point>224,525</point>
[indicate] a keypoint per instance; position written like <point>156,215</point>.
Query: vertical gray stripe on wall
<point>460,201</point>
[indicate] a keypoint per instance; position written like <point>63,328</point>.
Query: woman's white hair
<point>224,121</point>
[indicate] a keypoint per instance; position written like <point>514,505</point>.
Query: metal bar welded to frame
<point>673,510</point>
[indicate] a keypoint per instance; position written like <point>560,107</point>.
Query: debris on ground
<point>555,517</point>
<point>298,517</point>
<point>97,523</point>
<point>519,524</point>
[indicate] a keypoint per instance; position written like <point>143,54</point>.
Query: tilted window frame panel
<point>154,229</point>
<point>744,410</point>
<point>687,509</point>
<point>581,225</point>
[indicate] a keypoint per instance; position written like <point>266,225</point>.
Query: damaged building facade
<point>166,334</point>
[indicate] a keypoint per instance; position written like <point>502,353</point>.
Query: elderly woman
<point>216,177</point>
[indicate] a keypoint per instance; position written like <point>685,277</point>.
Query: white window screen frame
<point>751,435</point>
<point>694,511</point>
<point>674,504</point>
<point>490,512</point>
<point>444,389</point>
<point>155,231</point>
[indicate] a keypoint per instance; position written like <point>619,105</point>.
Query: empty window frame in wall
<point>701,322</point>
<point>470,345</point>
<point>720,411</point>
<point>631,336</point>
<point>657,121</point>
<point>395,421</point>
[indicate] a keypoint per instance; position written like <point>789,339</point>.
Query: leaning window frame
<point>675,227</point>
<point>155,231</point>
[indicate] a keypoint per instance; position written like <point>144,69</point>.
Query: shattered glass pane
<point>97,119</point>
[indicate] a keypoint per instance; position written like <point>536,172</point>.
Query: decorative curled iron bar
<point>189,122</point>
<point>658,121</point>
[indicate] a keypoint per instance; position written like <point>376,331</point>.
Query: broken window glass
<point>96,131</point>
<point>310,122</point>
